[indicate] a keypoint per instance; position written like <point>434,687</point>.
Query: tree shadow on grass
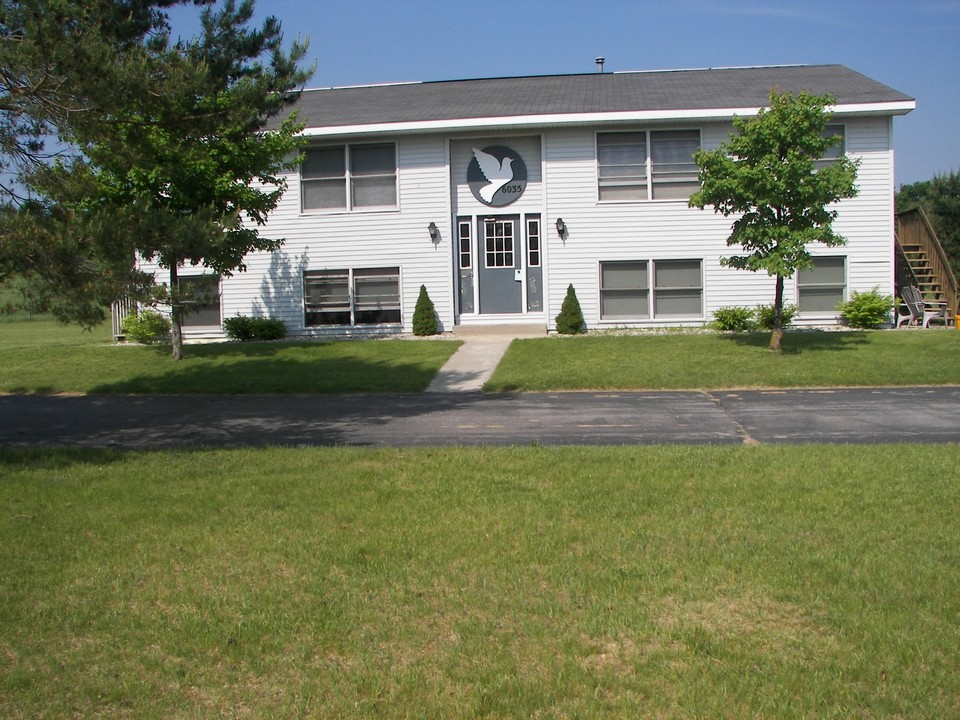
<point>799,342</point>
<point>232,348</point>
<point>320,368</point>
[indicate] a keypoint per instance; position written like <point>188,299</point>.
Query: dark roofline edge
<point>572,75</point>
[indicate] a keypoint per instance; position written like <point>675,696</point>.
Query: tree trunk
<point>176,322</point>
<point>777,335</point>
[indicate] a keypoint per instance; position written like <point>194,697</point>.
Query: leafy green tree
<point>768,175</point>
<point>940,200</point>
<point>198,163</point>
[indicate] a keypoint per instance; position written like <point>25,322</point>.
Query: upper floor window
<point>349,177</point>
<point>647,165</point>
<point>834,151</point>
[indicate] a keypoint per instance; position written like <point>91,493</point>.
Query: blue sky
<point>910,46</point>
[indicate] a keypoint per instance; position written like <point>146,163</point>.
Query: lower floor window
<point>624,290</point>
<point>201,300</point>
<point>367,296</point>
<point>822,287</point>
<point>670,288</point>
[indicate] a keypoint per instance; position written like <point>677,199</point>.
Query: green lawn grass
<point>787,582</point>
<point>41,356</point>
<point>45,357</point>
<point>716,361</point>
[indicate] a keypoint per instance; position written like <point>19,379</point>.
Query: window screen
<point>821,287</point>
<point>622,166</point>
<point>675,174</point>
<point>624,290</point>
<point>373,170</point>
<point>678,288</point>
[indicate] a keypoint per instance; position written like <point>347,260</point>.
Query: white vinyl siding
<point>562,166</point>
<point>272,285</point>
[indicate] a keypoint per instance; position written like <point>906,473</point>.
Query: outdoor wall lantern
<point>434,232</point>
<point>561,228</point>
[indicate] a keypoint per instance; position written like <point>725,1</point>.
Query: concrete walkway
<point>474,362</point>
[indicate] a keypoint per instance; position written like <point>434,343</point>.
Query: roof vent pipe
<point>600,61</point>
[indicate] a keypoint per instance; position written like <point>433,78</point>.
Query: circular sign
<point>496,175</point>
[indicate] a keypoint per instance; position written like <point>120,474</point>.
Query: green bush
<point>734,319</point>
<point>148,327</point>
<point>246,328</point>
<point>424,315</point>
<point>866,309</point>
<point>764,315</point>
<point>570,320</point>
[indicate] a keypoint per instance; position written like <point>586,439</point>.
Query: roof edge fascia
<point>605,118</point>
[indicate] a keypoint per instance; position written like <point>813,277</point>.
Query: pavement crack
<point>741,430</point>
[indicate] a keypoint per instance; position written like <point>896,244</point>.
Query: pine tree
<point>181,170</point>
<point>570,320</point>
<point>424,315</point>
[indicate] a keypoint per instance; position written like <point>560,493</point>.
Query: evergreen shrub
<point>570,320</point>
<point>424,315</point>
<point>147,327</point>
<point>246,328</point>
<point>866,309</point>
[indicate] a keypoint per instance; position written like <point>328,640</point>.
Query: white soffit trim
<point>630,116</point>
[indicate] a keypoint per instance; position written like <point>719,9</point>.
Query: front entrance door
<point>499,264</point>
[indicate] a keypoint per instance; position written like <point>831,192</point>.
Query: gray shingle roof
<point>665,91</point>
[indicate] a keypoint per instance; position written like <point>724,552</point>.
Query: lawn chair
<point>922,311</point>
<point>906,314</point>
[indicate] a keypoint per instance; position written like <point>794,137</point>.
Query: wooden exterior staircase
<point>922,262</point>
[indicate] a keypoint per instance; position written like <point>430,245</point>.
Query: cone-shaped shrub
<point>424,315</point>
<point>570,320</point>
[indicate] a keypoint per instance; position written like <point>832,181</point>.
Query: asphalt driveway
<point>854,415</point>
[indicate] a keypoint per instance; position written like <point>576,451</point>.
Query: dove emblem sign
<point>497,175</point>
